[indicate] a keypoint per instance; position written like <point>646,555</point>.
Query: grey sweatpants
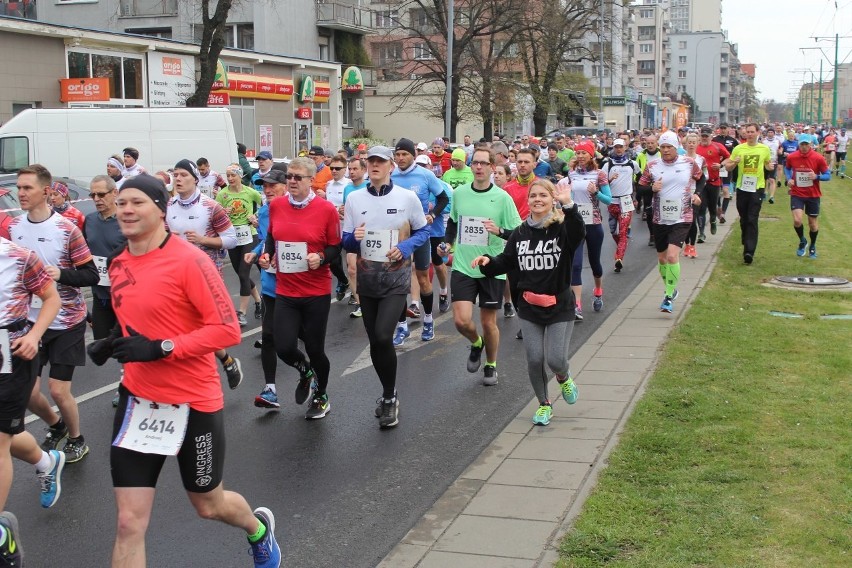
<point>546,344</point>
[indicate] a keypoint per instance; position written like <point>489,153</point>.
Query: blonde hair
<point>558,216</point>
<point>692,135</point>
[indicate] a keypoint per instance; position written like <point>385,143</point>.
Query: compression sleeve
<point>83,275</point>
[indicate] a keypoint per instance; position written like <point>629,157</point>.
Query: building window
<point>510,50</point>
<point>242,115</point>
<point>644,82</point>
<point>681,74</point>
<point>646,13</point>
<point>681,45</point>
<point>681,59</point>
<point>387,53</point>
<point>646,47</point>
<point>596,71</point>
<point>646,67</point>
<point>123,71</point>
<point>386,18</point>
<point>240,36</point>
<point>422,51</point>
<point>348,112</point>
<point>239,69</point>
<point>647,32</point>
<point>165,33</point>
<point>323,52</point>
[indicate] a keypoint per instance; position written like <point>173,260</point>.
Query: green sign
<point>614,101</point>
<point>352,80</point>
<point>306,89</point>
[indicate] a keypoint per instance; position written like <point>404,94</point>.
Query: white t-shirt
<point>673,204</point>
<point>334,191</point>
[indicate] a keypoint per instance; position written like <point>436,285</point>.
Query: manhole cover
<point>812,280</point>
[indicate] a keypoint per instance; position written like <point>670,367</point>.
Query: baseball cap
<point>265,155</point>
<point>423,159</point>
<point>618,142</point>
<point>274,176</point>
<point>422,146</point>
<point>382,152</point>
<point>706,130</point>
<point>804,138</point>
<point>316,151</point>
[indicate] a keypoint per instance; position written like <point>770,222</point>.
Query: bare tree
<point>212,43</point>
<point>551,30</point>
<point>423,24</point>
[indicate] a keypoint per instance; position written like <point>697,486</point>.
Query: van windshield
<point>14,154</point>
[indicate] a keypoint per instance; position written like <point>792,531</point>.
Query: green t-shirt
<point>242,203</point>
<point>494,204</point>
<point>565,154</point>
<point>754,160</point>
<point>458,178</point>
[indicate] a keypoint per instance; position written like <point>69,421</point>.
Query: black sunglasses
<point>336,168</point>
<point>295,177</point>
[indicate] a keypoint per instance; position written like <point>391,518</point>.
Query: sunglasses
<point>336,168</point>
<point>295,177</point>
<point>99,195</point>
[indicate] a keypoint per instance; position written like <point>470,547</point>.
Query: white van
<point>76,143</point>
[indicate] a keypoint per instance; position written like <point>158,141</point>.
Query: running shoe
<point>267,399</point>
<point>569,389</point>
<point>651,242</point>
<point>508,310</point>
<point>258,310</point>
<point>489,377</point>
<point>115,400</point>
<point>340,293</point>
<point>520,334</point>
<point>51,480</point>
<point>379,407</point>
<point>474,359</point>
<point>413,311</point>
<point>234,372</point>
<point>53,438</point>
<point>400,336</point>
<point>356,313</point>
<point>353,301</point>
<point>266,552</point>
<point>667,306</point>
<point>443,303</point>
<point>619,264</point>
<point>721,220</point>
<point>11,551</point>
<point>748,257</point>
<point>713,227</point>
<point>75,449</point>
<point>258,344</point>
<point>303,387</point>
<point>694,251</point>
<point>803,244</point>
<point>578,314</point>
<point>428,332</point>
<point>390,413</point>
<point>687,250</point>
<point>597,303</point>
<point>542,415</point>
<point>771,200</point>
<point>812,252</point>
<point>318,408</point>
<point>701,238</point>
<point>241,319</point>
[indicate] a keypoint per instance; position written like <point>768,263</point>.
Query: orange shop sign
<point>84,89</point>
<point>255,87</point>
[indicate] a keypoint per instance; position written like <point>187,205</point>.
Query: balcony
<point>25,9</point>
<point>343,17</point>
<point>147,8</point>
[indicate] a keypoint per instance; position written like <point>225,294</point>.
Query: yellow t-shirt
<point>752,167</point>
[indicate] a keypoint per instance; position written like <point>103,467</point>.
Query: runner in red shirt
<point>174,311</point>
<point>804,169</point>
<point>519,187</point>
<point>303,239</point>
<point>440,158</point>
<point>713,153</point>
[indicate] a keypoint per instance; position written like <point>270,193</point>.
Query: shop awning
<point>256,87</point>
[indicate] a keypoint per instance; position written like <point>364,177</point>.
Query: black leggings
<point>709,202</point>
<point>268,357</point>
<point>242,269</point>
<point>380,317</point>
<point>645,198</point>
<point>594,243</point>
<point>306,318</point>
<point>103,318</point>
<point>338,268</point>
<point>692,235</point>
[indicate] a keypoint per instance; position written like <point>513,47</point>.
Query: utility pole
<point>819,99</point>
<point>448,97</point>
<point>837,62</point>
<point>601,70</point>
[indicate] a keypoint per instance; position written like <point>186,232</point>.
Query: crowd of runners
<point>503,224</point>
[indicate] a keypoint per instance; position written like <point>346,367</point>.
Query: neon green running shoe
<point>543,415</point>
<point>569,390</point>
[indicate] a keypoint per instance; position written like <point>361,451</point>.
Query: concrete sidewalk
<point>513,505</point>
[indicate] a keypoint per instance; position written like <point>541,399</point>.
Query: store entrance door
<point>304,135</point>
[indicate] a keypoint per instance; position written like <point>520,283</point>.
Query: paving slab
<point>437,559</point>
<point>454,500</point>
<point>540,473</point>
<point>558,449</point>
<point>513,538</point>
<point>517,502</point>
<point>491,458</point>
<point>631,378</point>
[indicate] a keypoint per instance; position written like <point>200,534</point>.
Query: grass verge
<point>739,452</point>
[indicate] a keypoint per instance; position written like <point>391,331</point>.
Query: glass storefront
<point>125,73</point>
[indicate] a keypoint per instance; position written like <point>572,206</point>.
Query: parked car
<point>10,208</point>
<point>78,192</point>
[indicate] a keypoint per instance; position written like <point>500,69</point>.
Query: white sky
<point>771,33</point>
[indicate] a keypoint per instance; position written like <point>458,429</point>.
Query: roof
<point>748,69</point>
